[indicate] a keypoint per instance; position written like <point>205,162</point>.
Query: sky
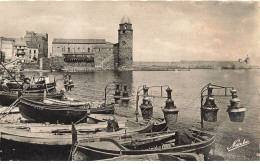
<point>163,31</point>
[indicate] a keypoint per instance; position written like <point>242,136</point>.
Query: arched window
<point>88,49</point>
<point>68,49</point>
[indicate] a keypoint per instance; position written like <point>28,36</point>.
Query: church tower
<point>125,44</point>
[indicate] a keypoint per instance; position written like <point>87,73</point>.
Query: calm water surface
<point>186,85</point>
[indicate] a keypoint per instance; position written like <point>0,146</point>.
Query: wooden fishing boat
<point>7,98</point>
<point>37,88</point>
<point>200,143</point>
<point>159,157</point>
<point>40,84</point>
<point>159,124</point>
<point>51,141</point>
<point>64,102</point>
<point>41,112</point>
<point>102,109</point>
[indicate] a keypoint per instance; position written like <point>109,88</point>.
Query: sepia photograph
<point>129,80</point>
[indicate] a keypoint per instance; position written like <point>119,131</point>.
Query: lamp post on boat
<point>106,90</point>
<point>117,96</point>
<point>209,109</point>
<point>146,106</point>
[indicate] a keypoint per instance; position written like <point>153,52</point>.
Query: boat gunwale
<point>51,107</point>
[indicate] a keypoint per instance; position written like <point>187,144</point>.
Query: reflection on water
<point>186,86</point>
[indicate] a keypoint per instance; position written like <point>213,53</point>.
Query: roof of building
<point>7,39</point>
<point>124,20</point>
<point>78,41</point>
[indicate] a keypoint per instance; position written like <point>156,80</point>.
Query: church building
<point>95,54</point>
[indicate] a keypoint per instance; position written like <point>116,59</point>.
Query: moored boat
<point>24,85</point>
<point>102,109</point>
<point>64,102</point>
<point>159,157</point>
<point>52,141</point>
<point>7,98</point>
<point>200,143</point>
<point>159,125</point>
<point>41,112</point>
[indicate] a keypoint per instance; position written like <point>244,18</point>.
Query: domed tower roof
<point>125,20</point>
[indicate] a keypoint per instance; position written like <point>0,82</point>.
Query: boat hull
<point>84,152</point>
<point>22,151</point>
<point>159,157</point>
<point>158,127</point>
<point>17,142</point>
<point>7,98</point>
<point>13,86</point>
<point>103,110</point>
<point>40,112</point>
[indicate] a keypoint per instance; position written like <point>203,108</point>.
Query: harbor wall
<point>189,64</point>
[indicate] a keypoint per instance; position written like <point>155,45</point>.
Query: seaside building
<point>28,49</point>
<point>37,41</point>
<point>20,50</point>
<point>7,48</point>
<point>95,54</point>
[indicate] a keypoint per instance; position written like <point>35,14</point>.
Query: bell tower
<point>125,44</point>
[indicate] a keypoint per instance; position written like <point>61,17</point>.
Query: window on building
<point>30,51</point>
<point>34,51</point>
<point>88,49</point>
<point>68,49</point>
<point>39,45</point>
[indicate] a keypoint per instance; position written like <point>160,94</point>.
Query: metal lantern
<point>170,111</point>
<point>125,98</point>
<point>117,94</point>
<point>235,110</point>
<point>210,109</point>
<point>146,107</point>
